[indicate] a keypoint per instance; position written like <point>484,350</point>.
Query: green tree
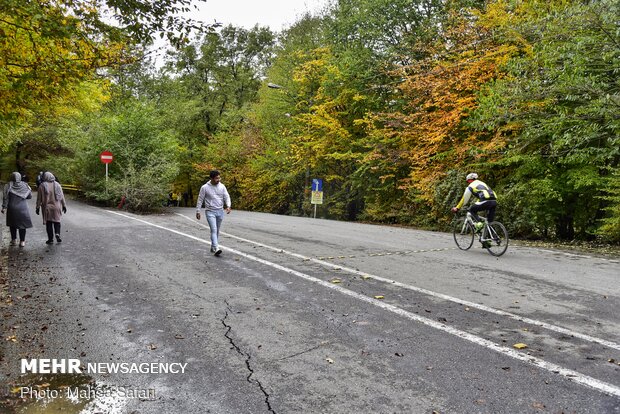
<point>145,155</point>
<point>222,70</point>
<point>49,47</point>
<point>557,109</point>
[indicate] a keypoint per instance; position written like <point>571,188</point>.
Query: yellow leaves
<point>613,361</point>
<point>379,297</point>
<point>313,67</point>
<point>442,92</point>
<point>47,59</point>
<point>519,346</point>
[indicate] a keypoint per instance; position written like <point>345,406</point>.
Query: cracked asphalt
<point>286,321</point>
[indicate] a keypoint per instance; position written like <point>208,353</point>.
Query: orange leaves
<point>442,92</point>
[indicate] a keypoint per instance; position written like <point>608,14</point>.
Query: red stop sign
<point>106,157</point>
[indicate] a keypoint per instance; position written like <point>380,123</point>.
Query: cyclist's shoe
<point>486,244</point>
<point>478,226</point>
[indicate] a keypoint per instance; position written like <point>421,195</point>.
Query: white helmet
<point>472,176</point>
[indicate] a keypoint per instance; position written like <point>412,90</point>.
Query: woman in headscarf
<point>52,201</point>
<point>14,197</point>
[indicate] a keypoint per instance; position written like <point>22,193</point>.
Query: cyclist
<point>486,199</point>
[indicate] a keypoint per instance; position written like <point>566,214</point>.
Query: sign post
<point>317,193</point>
<point>106,157</point>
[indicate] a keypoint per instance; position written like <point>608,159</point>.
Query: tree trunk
<point>564,227</point>
<point>19,163</point>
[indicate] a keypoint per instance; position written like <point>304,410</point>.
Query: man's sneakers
<point>216,251</point>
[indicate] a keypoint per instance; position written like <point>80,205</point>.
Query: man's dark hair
<point>214,174</point>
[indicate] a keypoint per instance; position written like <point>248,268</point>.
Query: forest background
<point>390,102</point>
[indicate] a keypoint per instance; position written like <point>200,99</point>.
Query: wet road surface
<point>303,315</point>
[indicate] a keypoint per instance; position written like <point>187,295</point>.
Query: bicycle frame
<point>493,235</point>
<point>469,219</point>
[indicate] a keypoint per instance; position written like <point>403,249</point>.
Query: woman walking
<point>51,198</point>
<point>14,197</point>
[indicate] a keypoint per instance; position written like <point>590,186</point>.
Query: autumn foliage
<point>390,102</point>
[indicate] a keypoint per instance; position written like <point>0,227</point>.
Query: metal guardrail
<point>71,188</point>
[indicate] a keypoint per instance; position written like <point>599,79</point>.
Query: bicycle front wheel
<point>497,239</point>
<point>463,234</point>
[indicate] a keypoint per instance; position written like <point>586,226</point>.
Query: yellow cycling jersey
<point>479,189</point>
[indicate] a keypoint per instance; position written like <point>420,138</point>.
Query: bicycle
<point>493,236</point>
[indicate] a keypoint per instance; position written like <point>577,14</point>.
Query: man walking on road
<point>216,199</point>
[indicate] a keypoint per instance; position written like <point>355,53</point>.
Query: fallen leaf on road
<point>519,346</point>
<point>179,336</point>
<point>331,361</point>
<point>538,405</point>
<point>365,277</point>
<point>336,281</point>
<point>379,297</point>
<point>152,347</point>
<point>12,338</point>
<point>398,354</point>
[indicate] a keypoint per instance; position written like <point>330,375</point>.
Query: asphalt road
<point>306,316</point>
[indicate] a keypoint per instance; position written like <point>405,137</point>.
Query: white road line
<point>474,305</point>
<point>569,374</point>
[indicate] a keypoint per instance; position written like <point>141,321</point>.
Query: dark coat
<point>17,214</point>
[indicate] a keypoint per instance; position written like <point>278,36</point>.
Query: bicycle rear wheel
<point>497,239</point>
<point>463,234</point>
